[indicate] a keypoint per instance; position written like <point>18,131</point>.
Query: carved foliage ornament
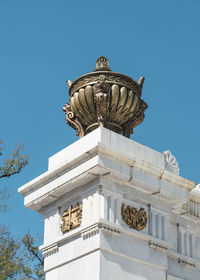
<point>170,162</point>
<point>71,218</point>
<point>136,219</point>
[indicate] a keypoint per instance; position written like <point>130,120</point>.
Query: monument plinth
<point>115,209</point>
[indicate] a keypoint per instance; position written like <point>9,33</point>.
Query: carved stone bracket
<point>71,218</point>
<point>136,219</point>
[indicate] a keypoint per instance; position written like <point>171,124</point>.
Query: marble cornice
<point>101,159</point>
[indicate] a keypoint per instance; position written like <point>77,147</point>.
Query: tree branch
<point>13,173</point>
<point>14,164</point>
<point>36,255</point>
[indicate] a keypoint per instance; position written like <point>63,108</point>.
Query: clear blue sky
<point>44,43</point>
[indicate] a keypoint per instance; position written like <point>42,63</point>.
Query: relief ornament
<point>71,218</point>
<point>136,219</point>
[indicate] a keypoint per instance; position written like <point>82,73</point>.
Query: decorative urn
<point>105,98</point>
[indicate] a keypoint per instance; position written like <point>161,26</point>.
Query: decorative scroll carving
<point>170,162</point>
<point>136,219</point>
<point>71,218</point>
<point>73,121</point>
<point>137,119</point>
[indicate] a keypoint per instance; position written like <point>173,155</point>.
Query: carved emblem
<point>136,219</point>
<point>71,218</point>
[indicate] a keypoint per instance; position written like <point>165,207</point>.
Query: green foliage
<point>9,261</point>
<point>9,167</point>
<point>19,259</point>
<point>32,260</point>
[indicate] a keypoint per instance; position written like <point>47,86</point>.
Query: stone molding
<point>88,165</point>
<point>97,228</point>
<point>192,211</point>
<point>186,261</point>
<point>159,246</point>
<point>89,232</point>
<point>187,264</point>
<point>49,250</point>
<point>176,201</point>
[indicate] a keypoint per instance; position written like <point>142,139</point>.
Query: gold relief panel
<point>136,219</point>
<point>71,218</point>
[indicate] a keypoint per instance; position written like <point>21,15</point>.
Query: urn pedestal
<point>112,210</point>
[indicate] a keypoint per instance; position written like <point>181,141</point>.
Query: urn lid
<point>104,98</point>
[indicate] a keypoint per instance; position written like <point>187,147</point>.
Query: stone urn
<point>105,98</point>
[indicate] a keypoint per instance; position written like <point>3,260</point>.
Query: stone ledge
<point>159,246</point>
<point>96,228</point>
<point>140,158</point>
<point>186,261</point>
<point>49,250</point>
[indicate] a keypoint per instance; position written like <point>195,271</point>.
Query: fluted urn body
<point>105,98</point>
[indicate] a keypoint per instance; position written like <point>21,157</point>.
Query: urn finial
<point>102,64</point>
<point>105,98</point>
